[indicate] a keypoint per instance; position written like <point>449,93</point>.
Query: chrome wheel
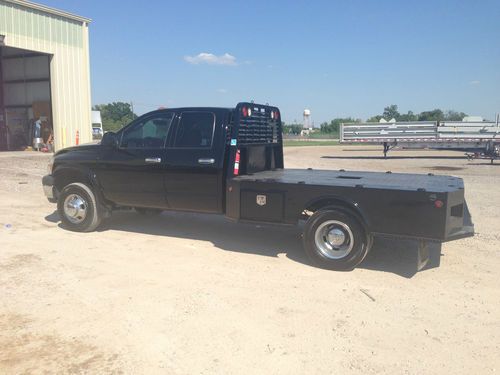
<point>334,239</point>
<point>75,208</point>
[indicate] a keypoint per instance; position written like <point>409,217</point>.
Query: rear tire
<point>78,208</point>
<point>336,240</point>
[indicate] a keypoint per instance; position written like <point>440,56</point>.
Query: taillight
<point>438,203</point>
<point>244,111</point>
<point>236,170</point>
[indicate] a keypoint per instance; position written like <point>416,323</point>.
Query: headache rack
<point>255,139</point>
<point>255,124</point>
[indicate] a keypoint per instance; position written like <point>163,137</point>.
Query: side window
<point>195,130</point>
<point>149,133</point>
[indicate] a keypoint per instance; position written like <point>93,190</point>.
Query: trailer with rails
<point>229,161</point>
<point>479,139</point>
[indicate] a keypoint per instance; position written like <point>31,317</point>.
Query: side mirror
<point>109,139</point>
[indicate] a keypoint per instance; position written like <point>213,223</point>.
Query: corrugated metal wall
<point>67,41</point>
<point>20,69</point>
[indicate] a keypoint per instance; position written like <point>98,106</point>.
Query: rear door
<point>132,174</point>
<point>193,175</point>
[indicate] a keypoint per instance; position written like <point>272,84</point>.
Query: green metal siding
<point>23,21</point>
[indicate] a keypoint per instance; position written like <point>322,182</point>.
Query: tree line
<point>390,112</point>
<point>115,115</point>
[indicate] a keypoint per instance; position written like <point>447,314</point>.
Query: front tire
<point>336,240</point>
<point>78,208</point>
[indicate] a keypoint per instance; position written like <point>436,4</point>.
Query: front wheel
<point>336,240</point>
<point>78,208</point>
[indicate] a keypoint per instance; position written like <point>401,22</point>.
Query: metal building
<point>44,75</point>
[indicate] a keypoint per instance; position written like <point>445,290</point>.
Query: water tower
<point>307,118</point>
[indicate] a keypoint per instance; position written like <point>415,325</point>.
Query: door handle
<point>152,160</point>
<point>206,161</point>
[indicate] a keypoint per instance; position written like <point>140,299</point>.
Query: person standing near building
<point>38,128</point>
<point>37,133</point>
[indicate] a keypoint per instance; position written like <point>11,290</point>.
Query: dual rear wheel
<point>335,239</point>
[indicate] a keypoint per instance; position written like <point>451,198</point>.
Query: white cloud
<point>211,59</point>
<point>474,83</point>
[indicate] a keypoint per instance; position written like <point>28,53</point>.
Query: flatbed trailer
<point>229,161</point>
<point>478,139</point>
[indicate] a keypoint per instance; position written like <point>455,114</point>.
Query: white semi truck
<point>97,131</point>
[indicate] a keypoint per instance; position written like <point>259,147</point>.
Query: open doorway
<point>25,99</point>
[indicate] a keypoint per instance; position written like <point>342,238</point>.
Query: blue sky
<point>337,58</point>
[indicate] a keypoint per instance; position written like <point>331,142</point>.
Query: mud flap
<point>423,256</point>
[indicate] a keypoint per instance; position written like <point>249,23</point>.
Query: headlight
<point>50,165</point>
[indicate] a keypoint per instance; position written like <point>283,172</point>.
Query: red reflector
<point>244,111</point>
<point>438,204</point>
<point>236,170</point>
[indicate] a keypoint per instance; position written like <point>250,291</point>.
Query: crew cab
<point>229,161</point>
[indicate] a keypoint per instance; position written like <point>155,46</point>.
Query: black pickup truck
<point>230,161</point>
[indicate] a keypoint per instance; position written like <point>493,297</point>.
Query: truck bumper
<point>49,188</point>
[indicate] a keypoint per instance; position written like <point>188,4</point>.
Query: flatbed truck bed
<point>358,179</point>
<point>382,200</point>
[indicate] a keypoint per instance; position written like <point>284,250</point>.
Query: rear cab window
<point>195,130</point>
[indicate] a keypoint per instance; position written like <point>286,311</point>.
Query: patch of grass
<point>295,143</point>
<point>324,135</point>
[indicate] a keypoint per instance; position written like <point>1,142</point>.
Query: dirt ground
<point>194,294</point>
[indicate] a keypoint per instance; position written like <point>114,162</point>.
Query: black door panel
<point>134,177</point>
<point>193,178</point>
<point>191,184</point>
<point>133,173</point>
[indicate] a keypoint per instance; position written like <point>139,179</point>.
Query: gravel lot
<point>194,294</point>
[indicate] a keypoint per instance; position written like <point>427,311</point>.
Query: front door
<point>132,173</point>
<point>193,178</point>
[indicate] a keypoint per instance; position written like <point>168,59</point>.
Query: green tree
<point>115,115</point>
<point>434,115</point>
<point>334,126</point>
<point>454,116</point>
<point>409,116</point>
<point>375,118</point>
<point>291,128</point>
<point>391,112</point>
